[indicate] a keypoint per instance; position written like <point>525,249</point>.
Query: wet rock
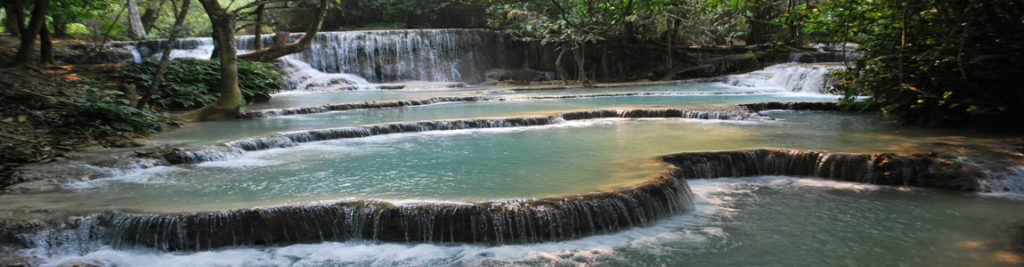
<point>15,234</point>
<point>525,76</point>
<point>30,187</point>
<point>126,143</point>
<point>208,153</point>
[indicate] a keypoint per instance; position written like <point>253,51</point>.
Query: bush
<point>103,113</point>
<point>937,63</point>
<point>190,84</point>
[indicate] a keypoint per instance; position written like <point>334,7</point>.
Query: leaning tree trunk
<point>230,100</point>
<point>276,51</point>
<point>28,35</point>
<point>135,27</point>
<point>165,58</point>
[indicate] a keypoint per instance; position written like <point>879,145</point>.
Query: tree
<point>14,17</point>
<point>230,100</point>
<point>933,62</point>
<point>135,28</point>
<point>67,11</point>
<point>165,57</point>
<point>277,51</point>
<point>223,23</point>
<point>28,34</point>
<point>151,15</point>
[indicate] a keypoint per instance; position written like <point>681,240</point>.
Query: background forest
<point>935,63</point>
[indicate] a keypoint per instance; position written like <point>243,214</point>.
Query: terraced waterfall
<point>338,171</point>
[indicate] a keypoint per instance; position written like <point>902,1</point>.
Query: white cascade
<point>791,77</point>
<point>360,59</point>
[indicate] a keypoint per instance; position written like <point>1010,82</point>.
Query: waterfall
<point>817,106</point>
<point>443,55</point>
<point>356,59</point>
<point>923,170</point>
<point>496,222</point>
<point>792,77</point>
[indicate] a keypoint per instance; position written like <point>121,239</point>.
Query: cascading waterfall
<point>815,106</point>
<point>437,100</point>
<point>355,60</point>
<point>923,170</point>
<point>498,222</point>
<point>442,55</point>
<point>792,77</point>
<point>234,148</point>
<point>504,221</point>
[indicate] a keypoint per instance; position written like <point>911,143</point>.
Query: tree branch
<point>274,52</point>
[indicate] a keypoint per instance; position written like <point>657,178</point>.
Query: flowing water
<point>496,175</point>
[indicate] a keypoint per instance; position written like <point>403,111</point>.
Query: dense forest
<point>934,63</point>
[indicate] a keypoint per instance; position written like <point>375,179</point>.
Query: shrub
<point>104,113</point>
<point>190,84</point>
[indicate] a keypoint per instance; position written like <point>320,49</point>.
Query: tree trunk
<point>149,17</point>
<point>559,71</point>
<point>758,25</point>
<point>14,17</point>
<point>28,37</point>
<point>671,40</point>
<point>260,13</point>
<point>135,27</point>
<point>45,45</point>
<point>60,28</point>
<point>230,100</point>
<point>274,52</point>
<point>165,58</point>
<point>580,56</point>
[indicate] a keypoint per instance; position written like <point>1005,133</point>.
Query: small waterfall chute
<point>813,78</point>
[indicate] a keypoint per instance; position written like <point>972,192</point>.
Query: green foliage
<point>190,84</point>
<point>934,62</point>
<point>77,28</point>
<point>400,14</point>
<point>104,113</point>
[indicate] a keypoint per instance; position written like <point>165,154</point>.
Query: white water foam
<point>264,158</point>
<point>303,77</point>
<point>1007,183</point>
<point>153,175</point>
